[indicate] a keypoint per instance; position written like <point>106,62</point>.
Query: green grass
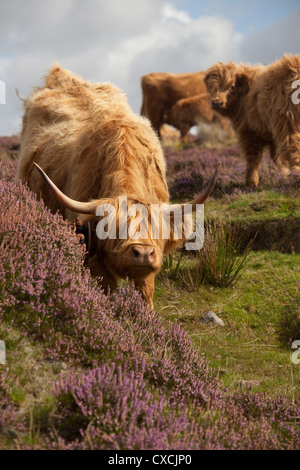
<point>271,217</point>
<point>252,344</point>
<point>256,206</point>
<point>260,312</point>
<point>31,378</point>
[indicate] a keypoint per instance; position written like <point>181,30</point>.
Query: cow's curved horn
<point>207,191</point>
<point>75,206</point>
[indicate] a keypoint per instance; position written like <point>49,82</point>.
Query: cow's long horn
<point>207,191</point>
<point>75,206</point>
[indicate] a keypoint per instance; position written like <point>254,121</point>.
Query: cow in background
<point>162,90</point>
<point>259,102</point>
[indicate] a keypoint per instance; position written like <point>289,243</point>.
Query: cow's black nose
<point>136,252</point>
<point>217,103</point>
<point>143,254</point>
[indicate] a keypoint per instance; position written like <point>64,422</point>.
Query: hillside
<point>88,371</point>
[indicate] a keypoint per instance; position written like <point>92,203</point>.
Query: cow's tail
<point>20,96</point>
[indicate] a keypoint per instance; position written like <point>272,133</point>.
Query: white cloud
<point>102,40</point>
<point>170,12</point>
<point>271,43</point>
<point>181,47</point>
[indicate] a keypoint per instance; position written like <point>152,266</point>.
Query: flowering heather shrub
<point>121,412</point>
<point>10,144</point>
<point>190,169</point>
<point>174,364</point>
<point>112,407</point>
<point>140,381</point>
<point>8,168</point>
<point>281,413</point>
<point>43,285</point>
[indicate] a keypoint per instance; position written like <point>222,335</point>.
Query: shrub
<point>191,168</point>
<point>136,381</point>
<point>222,261</point>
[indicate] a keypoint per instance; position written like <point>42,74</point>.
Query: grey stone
<point>247,384</point>
<point>59,364</point>
<point>211,317</point>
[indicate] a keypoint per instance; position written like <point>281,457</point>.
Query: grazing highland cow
<point>162,90</point>
<point>258,101</point>
<point>97,150</point>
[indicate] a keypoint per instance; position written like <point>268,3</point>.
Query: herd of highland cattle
<point>83,150</point>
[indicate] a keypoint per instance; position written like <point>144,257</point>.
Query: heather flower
<point>189,169</point>
<point>120,412</point>
<point>136,381</point>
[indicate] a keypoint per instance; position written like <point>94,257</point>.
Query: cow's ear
<point>242,81</point>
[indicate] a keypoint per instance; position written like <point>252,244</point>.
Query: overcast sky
<point>120,40</point>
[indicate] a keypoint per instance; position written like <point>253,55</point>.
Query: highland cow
<point>258,101</point>
<point>162,90</point>
<point>93,147</point>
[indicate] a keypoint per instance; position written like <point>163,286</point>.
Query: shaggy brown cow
<point>258,101</point>
<point>96,149</point>
<point>162,90</point>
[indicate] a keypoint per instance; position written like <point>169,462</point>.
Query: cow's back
<point>170,87</point>
<point>89,142</point>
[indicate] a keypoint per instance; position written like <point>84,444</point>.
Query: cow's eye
<point>232,87</point>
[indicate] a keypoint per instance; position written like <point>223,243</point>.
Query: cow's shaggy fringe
<point>136,381</point>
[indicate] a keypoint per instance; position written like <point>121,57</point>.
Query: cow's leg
<point>288,156</point>
<point>154,114</point>
<point>184,139</point>
<point>146,286</point>
<point>184,129</point>
<point>253,165</point>
<point>252,149</point>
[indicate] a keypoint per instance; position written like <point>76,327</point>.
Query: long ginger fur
<point>258,101</point>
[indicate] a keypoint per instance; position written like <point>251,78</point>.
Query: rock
<point>58,364</point>
<point>247,384</point>
<point>211,317</point>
